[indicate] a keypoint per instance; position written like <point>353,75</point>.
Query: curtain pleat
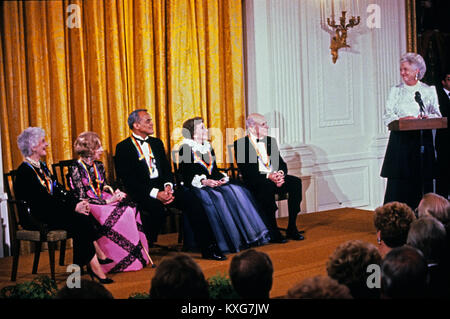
<point>176,58</point>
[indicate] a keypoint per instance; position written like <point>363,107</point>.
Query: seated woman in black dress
<point>230,208</point>
<point>48,205</point>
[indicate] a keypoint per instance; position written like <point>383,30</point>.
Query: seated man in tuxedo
<point>265,174</point>
<point>442,140</point>
<point>142,166</point>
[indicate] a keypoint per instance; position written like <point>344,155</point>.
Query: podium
<point>419,125</point>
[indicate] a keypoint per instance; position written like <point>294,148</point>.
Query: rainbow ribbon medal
<point>260,158</point>
<point>97,191</point>
<point>46,181</point>
<point>199,160</point>
<point>151,168</point>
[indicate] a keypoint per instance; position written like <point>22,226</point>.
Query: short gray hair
<point>29,139</point>
<point>250,122</point>
<point>134,117</point>
<point>416,62</point>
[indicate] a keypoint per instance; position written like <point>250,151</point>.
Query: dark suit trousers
<point>265,197</point>
<point>443,162</point>
<point>153,217</point>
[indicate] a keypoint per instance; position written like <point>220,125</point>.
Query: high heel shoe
<point>93,275</point>
<point>105,261</point>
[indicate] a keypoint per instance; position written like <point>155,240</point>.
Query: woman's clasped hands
<point>213,182</point>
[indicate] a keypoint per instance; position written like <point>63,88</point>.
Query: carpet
<point>292,261</point>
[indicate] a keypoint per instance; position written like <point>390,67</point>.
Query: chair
<point>60,171</point>
<point>178,183</point>
<point>20,219</point>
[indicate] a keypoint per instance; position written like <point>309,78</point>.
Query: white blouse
<point>401,102</point>
<point>203,149</point>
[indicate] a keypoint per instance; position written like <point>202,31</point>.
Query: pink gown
<point>119,225</point>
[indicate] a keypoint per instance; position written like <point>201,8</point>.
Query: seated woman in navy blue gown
<point>230,208</point>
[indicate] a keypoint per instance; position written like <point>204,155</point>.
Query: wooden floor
<point>292,261</point>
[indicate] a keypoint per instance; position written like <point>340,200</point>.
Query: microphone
<point>419,101</point>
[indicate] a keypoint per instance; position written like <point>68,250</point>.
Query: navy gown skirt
<point>233,216</point>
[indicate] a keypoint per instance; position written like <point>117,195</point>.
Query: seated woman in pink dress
<point>118,223</point>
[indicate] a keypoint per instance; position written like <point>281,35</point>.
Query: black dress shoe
<point>105,261</point>
<point>213,252</point>
<point>213,256</point>
<point>93,275</point>
<point>295,235</point>
<point>279,239</point>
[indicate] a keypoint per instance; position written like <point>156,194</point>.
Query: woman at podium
<point>409,160</point>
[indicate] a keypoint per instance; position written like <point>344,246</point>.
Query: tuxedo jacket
<point>134,172</point>
<point>442,134</point>
<point>247,159</point>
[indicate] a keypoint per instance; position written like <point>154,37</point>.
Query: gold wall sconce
<point>338,30</point>
<point>340,39</point>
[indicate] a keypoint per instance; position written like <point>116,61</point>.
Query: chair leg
<point>62,252</point>
<point>37,254</point>
<point>51,256</point>
<point>16,253</point>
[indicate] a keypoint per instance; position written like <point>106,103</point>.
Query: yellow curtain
<point>72,66</point>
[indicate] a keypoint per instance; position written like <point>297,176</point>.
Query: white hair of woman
<point>29,139</point>
<point>416,61</point>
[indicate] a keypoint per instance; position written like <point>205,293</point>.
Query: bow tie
<point>141,141</point>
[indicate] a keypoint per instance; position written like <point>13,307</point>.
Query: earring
<point>378,240</point>
<point>417,77</point>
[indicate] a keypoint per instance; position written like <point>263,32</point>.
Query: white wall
<point>329,116</point>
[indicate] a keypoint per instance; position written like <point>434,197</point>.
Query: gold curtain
<point>176,58</point>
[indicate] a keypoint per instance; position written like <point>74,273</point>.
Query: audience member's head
<point>404,274</point>
<point>319,287</point>
<point>392,222</point>
<point>435,205</point>
<point>88,289</point>
<point>428,235</point>
<point>179,277</point>
<point>251,274</point>
<point>348,265</point>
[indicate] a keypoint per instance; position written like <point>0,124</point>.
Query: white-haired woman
<point>402,163</point>
<point>50,206</point>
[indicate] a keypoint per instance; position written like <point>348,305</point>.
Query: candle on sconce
<point>332,9</point>
<point>322,16</point>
